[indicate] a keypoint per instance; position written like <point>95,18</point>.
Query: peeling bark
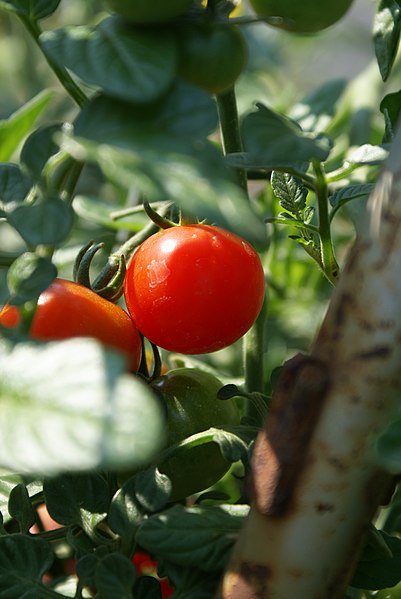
<point>316,485</point>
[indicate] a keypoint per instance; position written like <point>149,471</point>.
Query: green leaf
<point>378,568</point>
<point>9,480</point>
<point>246,160</point>
<point>388,447</point>
<point>316,110</point>
<point>152,489</point>
<point>86,568</point>
<point>32,9</point>
<point>125,515</point>
<point>97,211</point>
<point>196,183</point>
<point>308,214</point>
<point>28,276</point>
<point>93,415</point>
<point>233,442</point>
<point>350,192</point>
<point>290,191</point>
<point>80,499</point>
<point>14,186</point>
<point>46,222</point>
<point>390,107</point>
<point>20,508</point>
<point>126,62</point>
<point>183,115</point>
<point>375,546</point>
<point>199,537</point>
<point>386,35</point>
<point>15,128</point>
<point>148,587</point>
<point>367,154</point>
<point>165,155</point>
<point>23,562</point>
<point>191,583</point>
<point>392,521</point>
<point>39,147</point>
<point>272,140</point>
<point>115,577</point>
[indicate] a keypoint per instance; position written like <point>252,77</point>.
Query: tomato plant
<point>190,397</point>
<point>194,289</point>
<point>67,310</point>
<point>306,17</point>
<point>211,56</point>
<point>142,11</point>
<point>285,425</point>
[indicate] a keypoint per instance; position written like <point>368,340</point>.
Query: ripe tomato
<point>211,57</point>
<point>194,289</point>
<point>308,16</point>
<point>190,396</point>
<point>67,309</point>
<point>146,566</point>
<point>149,11</point>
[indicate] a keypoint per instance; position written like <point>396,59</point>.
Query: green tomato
<point>306,16</point>
<point>211,57</point>
<point>190,397</point>
<point>149,11</point>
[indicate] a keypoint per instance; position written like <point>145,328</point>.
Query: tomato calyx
<point>161,221</point>
<point>155,360</point>
<point>110,282</point>
<point>164,223</point>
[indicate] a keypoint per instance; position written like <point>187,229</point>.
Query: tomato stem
<point>157,362</point>
<point>61,73</point>
<point>230,131</point>
<point>329,262</point>
<point>253,360</point>
<point>143,366</point>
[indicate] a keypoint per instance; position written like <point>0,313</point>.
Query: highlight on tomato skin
<point>194,289</point>
<point>66,309</point>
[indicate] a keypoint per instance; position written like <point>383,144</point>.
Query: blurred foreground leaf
<point>66,406</point>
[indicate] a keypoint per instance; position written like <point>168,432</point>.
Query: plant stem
<point>230,131</point>
<point>329,262</point>
<point>253,360</point>
<point>71,180</point>
<point>61,73</point>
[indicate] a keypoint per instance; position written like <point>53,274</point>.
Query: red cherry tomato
<point>147,566</point>
<point>67,309</point>
<point>194,289</point>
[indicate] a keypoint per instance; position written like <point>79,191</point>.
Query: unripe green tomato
<point>149,11</point>
<point>211,57</point>
<point>192,406</point>
<point>303,16</point>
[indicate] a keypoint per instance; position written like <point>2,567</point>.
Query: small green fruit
<point>302,16</point>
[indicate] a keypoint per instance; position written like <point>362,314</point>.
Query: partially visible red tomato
<point>194,289</point>
<point>145,565</point>
<point>67,309</point>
